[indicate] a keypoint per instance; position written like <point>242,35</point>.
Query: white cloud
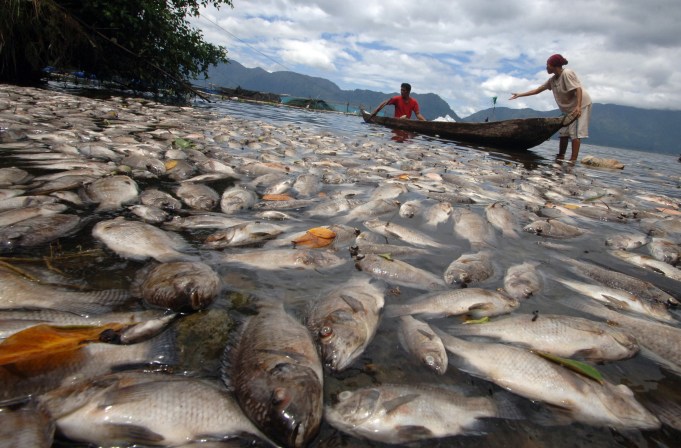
<point>624,51</point>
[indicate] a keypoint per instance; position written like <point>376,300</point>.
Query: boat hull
<point>512,135</point>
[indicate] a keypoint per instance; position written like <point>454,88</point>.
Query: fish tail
<point>163,349</point>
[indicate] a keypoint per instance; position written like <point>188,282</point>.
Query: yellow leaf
<point>316,237</point>
<point>276,197</point>
<point>170,164</point>
<point>41,340</point>
<point>571,206</point>
<point>322,232</point>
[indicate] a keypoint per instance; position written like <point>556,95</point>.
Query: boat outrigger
<point>512,135</point>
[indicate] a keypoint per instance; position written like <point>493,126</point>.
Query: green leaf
<point>482,320</point>
<point>387,256</point>
<point>576,366</point>
<point>182,143</point>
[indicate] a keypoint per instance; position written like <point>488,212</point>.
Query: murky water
<point>385,361</point>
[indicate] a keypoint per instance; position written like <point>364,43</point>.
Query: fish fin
<point>133,433</point>
<point>429,334</point>
<point>353,303</point>
<point>587,353</point>
<point>395,403</point>
<point>478,306</point>
<point>413,432</point>
<point>507,406</point>
<point>396,310</point>
<point>619,304</point>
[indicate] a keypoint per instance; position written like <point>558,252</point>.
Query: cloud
<point>624,51</point>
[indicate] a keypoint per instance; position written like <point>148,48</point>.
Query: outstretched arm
<point>529,92</point>
<point>378,109</point>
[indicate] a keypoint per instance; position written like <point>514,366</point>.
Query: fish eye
<point>279,395</point>
<point>325,332</point>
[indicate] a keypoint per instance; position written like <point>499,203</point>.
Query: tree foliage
<point>148,42</point>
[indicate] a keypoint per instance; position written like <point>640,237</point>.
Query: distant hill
<point>234,75</point>
<point>615,126</point>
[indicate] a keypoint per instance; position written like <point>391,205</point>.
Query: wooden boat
<point>512,135</point>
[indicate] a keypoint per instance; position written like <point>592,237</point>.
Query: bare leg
<point>562,147</point>
<point>576,143</point>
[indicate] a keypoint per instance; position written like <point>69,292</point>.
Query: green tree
<point>148,42</point>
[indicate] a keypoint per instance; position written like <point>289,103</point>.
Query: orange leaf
<point>41,340</point>
<point>316,237</point>
<point>170,164</point>
<point>276,197</point>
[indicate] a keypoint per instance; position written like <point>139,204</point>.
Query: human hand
<point>514,96</point>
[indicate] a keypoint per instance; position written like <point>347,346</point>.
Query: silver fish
<point>649,263</point>
<point>307,185</point>
<point>150,214</point>
<point>272,259</point>
<point>26,427</point>
<point>620,299</point>
<point>373,208</point>
<point>110,193</point>
<point>474,228</point>
<point>627,241</point>
<point>642,289</point>
<point>476,302</point>
<point>236,199</point>
<point>399,273</point>
<point>13,216</point>
<point>139,241</point>
<point>177,285</point>
<point>160,199</point>
<point>533,377</point>
<point>565,336</point>
<point>277,376</point>
<point>39,230</point>
<point>522,280</point>
<point>26,201</point>
<point>243,234</point>
<point>344,321</point>
<point>665,250</point>
<point>406,234</point>
<point>402,414</point>
<point>198,196</point>
<point>470,268</point>
<point>202,221</point>
<point>419,340</point>
<point>179,170</point>
<point>502,219</point>
<point>411,208</point>
<point>438,213</point>
<point>552,228</point>
<point>133,408</point>
<point>14,176</point>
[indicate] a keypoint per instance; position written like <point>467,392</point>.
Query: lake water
<point>385,361</point>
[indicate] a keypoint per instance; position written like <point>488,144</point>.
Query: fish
<point>627,241</point>
<point>34,377</point>
<point>306,185</point>
<point>398,272</point>
<point>531,376</point>
<point>160,199</point>
<point>419,340</point>
<point>620,299</point>
<point>344,321</point>
<point>564,336</point>
<point>273,259</point>
<point>14,216</point>
<point>474,228</point>
<point>26,201</point>
<point>371,209</point>
<point>111,193</point>
<point>470,268</point>
<point>552,228</point>
<point>393,250</point>
<point>180,285</point>
<point>27,426</point>
<point>658,341</point>
<point>502,219</point>
<point>276,375</point>
<point>600,213</point>
<point>131,408</point>
<point>39,230</point>
<point>649,263</point>
<point>411,208</point>
<point>640,288</point>
<point>138,241</point>
<point>406,234</point>
<point>205,220</point>
<point>437,213</point>
<point>408,413</point>
<point>522,280</point>
<point>14,176</point>
<point>665,250</point>
<point>476,302</point>
<point>149,214</point>
<point>17,291</point>
<point>236,199</point>
<point>198,196</point>
<point>243,234</point>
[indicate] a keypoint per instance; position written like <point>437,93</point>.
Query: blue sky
<point>625,52</point>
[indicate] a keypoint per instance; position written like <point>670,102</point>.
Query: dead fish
<point>522,280</point>
<point>243,234</point>
<point>476,302</point>
<point>627,241</point>
<point>373,208</point>
<point>26,201</point>
<point>17,291</point>
<point>564,336</point>
<point>65,182</point>
<point>26,427</point>
<point>406,234</point>
<point>437,213</point>
<point>474,228</point>
<point>132,408</point>
<point>147,213</point>
<point>470,268</point>
<point>392,250</point>
<point>198,196</point>
<point>14,176</point>
<point>411,208</point>
<point>533,377</point>
<point>37,231</point>
<point>332,207</point>
<point>502,219</point>
<point>111,193</point>
<point>665,250</point>
<point>179,170</point>
<point>14,216</point>
<point>236,199</point>
<point>343,322</point>
<point>408,413</point>
<point>147,163</point>
<point>272,259</point>
<point>177,285</point>
<point>306,185</point>
<point>277,376</point>
<point>160,199</point>
<point>398,272</point>
<point>388,191</point>
<point>600,213</point>
<point>419,340</point>
<point>553,228</point>
<point>139,241</point>
<point>649,263</point>
<point>202,221</point>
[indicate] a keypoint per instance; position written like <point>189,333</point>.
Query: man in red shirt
<point>404,105</point>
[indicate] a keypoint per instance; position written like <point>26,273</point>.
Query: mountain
<point>233,74</point>
<point>611,125</point>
